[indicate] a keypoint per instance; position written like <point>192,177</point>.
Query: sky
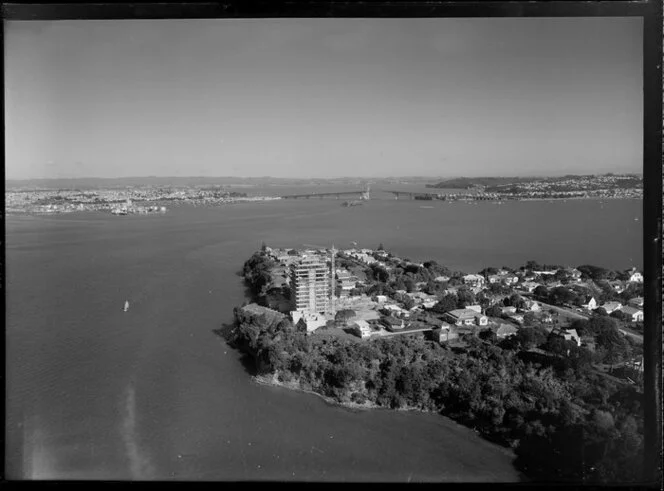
<point>323,97</point>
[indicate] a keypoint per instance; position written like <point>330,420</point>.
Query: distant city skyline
<point>323,98</point>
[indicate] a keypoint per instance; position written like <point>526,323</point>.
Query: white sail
<point>126,305</point>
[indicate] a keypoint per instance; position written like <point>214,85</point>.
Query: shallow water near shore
<point>153,393</point>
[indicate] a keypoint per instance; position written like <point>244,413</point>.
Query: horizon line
<point>322,178</point>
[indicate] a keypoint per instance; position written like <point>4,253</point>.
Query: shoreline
<point>271,381</point>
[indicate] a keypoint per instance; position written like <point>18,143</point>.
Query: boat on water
<point>352,203</point>
<point>126,305</point>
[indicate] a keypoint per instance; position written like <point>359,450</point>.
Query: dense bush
<point>565,422</point>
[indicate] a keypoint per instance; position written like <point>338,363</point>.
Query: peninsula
<point>544,359</point>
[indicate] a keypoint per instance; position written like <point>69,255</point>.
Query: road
<point>564,311</point>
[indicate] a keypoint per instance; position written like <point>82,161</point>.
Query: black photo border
<point>649,10</point>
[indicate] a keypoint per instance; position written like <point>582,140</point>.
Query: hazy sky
<point>323,97</point>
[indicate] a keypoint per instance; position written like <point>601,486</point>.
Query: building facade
<point>310,289</point>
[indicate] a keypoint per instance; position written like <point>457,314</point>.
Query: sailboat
<point>126,305</point>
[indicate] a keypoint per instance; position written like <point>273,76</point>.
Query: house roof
<point>629,310</point>
<point>571,333</point>
<point>464,314</point>
<point>506,329</point>
<point>612,305</point>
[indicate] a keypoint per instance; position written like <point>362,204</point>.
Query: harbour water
<point>152,393</point>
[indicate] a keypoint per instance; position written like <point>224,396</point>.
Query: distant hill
<point>492,182</point>
<point>123,182</point>
<point>466,182</point>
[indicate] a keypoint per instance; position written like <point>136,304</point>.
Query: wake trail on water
<point>140,463</point>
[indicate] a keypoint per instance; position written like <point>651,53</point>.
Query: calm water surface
<point>96,393</point>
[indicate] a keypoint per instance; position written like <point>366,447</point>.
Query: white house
<point>635,313</point>
<point>441,279</point>
<point>635,276</point>
<point>508,310</point>
<point>591,304</point>
<point>466,317</point>
<point>473,280</point>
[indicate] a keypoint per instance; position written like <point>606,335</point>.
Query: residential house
<point>445,333</point>
<point>424,300</point>
<point>466,317</point>
<point>532,306</point>
<point>381,298</point>
<point>634,313</point>
<point>611,306</point>
<point>312,321</point>
<point>635,276</point>
<point>508,310</point>
<point>573,274</point>
<point>476,308</point>
<point>570,335</point>
<point>518,318</point>
<point>392,323</point>
<point>361,328</point>
<point>473,280</point>
<point>441,279</point>
<point>529,286</point>
<point>505,331</point>
<point>590,303</point>
<point>617,285</point>
<point>427,304</point>
<point>510,279</point>
<point>494,278</point>
<point>636,302</point>
<point>394,310</point>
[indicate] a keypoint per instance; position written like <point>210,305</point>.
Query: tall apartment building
<point>310,280</point>
<point>310,285</point>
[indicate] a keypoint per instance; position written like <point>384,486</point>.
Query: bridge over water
<point>336,195</point>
